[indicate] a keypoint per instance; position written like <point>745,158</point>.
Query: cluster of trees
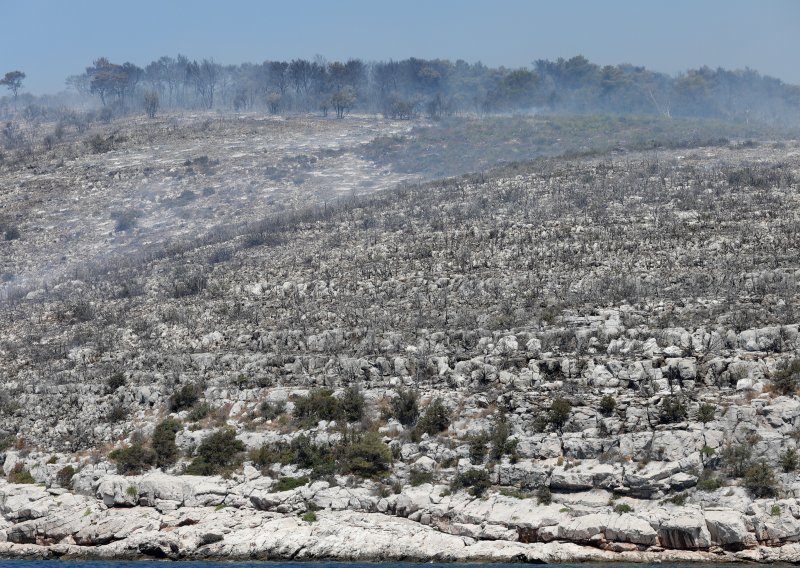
<point>436,87</point>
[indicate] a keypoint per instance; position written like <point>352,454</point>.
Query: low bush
<point>478,449</point>
<point>759,479</point>
<point>352,404</point>
<point>319,404</point>
<point>164,442</point>
<point>199,411</point>
<point>476,481</point>
<point>367,457</point>
<point>418,477</point>
<point>115,381</point>
<point>736,458</point>
<point>544,495</point>
<point>218,453</point>
<point>184,398</point>
<point>560,410</point>
<point>436,419</point>
<point>672,410</point>
<point>607,405</point>
<point>709,483</point>
<point>272,410</point>
<point>623,508</point>
<point>134,459</point>
<point>405,407</point>
<point>64,476</point>
<point>786,380</point>
<point>789,460</point>
<point>289,483</point>
<point>706,412</point>
<point>20,475</point>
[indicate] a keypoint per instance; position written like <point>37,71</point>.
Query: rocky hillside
<point>586,358</point>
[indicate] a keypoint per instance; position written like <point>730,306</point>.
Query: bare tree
<point>151,102</point>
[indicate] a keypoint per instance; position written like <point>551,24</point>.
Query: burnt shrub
<point>115,381</point>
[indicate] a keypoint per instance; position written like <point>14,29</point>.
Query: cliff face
<point>590,358</point>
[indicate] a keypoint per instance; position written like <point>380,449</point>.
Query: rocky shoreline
<point>190,518</point>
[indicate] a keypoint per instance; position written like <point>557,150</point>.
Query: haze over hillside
<point>368,306</point>
<point>51,40</point>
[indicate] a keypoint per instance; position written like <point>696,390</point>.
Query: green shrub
<point>319,404</point>
<point>709,483</point>
<point>607,405</point>
<point>476,481</point>
<point>289,483</point>
<point>514,493</point>
<point>310,517</point>
<point>164,442</point>
<point>500,444</point>
<point>759,479</point>
<point>133,460</point>
<point>789,460</point>
<point>706,412</point>
<point>367,457</point>
<point>436,419</point>
<point>418,477</point>
<point>64,476</point>
<point>543,495</point>
<point>560,410</point>
<point>352,404</point>
<point>20,475</point>
<point>405,407</point>
<point>672,410</point>
<point>184,398</point>
<point>199,411</point>
<point>736,458</point>
<point>272,410</point>
<point>623,508</point>
<point>218,453</point>
<point>478,449</point>
<point>787,378</point>
<point>707,451</point>
<point>679,499</point>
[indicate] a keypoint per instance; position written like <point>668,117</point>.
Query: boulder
<point>629,528</point>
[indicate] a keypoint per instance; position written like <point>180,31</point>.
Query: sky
<point>52,39</point>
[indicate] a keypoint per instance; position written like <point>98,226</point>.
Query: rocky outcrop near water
<point>187,517</point>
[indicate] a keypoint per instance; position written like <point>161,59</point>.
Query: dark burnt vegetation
<point>535,249</point>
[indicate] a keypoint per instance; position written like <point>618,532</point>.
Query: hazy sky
<point>50,39</point>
